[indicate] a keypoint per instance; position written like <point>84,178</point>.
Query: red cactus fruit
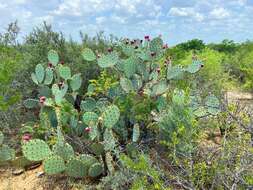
<point>50,65</point>
<point>158,70</point>
<point>62,62</point>
<point>42,99</point>
<point>146,38</point>
<point>87,129</point>
<point>26,137</point>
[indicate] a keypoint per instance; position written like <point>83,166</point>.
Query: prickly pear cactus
<point>6,153</point>
<point>76,168</point>
<point>53,57</point>
<point>64,150</point>
<point>95,170</point>
<point>36,150</point>
<point>88,55</point>
<point>111,116</point>
<point>1,138</point>
<point>53,165</point>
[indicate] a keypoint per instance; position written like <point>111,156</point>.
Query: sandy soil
<point>28,180</point>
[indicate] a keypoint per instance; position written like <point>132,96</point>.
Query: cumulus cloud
<point>219,13</point>
<point>186,12</point>
<point>177,20</point>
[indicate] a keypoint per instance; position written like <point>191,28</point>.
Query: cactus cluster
<point>6,153</point>
<point>61,158</point>
<point>139,72</point>
<point>140,69</point>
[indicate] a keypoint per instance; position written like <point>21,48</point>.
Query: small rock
<point>18,171</point>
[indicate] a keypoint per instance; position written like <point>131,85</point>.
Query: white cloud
<point>219,13</point>
<point>186,12</point>
<point>100,20</point>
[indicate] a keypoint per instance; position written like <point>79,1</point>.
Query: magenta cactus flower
<point>26,137</point>
<point>146,38</point>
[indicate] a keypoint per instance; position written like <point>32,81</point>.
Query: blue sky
<point>175,20</point>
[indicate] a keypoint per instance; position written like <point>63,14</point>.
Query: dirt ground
<point>28,180</point>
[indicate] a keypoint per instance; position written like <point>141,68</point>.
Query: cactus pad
<point>53,165</point>
<point>1,138</point>
<point>156,45</point>
<point>194,67</point>
<point>212,104</point>
<point>31,103</point>
<point>39,72</point>
<point>76,168</point>
<point>76,82</point>
<point>49,76</point>
<point>63,150</point>
<point>90,118</point>
<point>136,133</point>
<point>89,104</point>
<point>108,60</point>
<point>65,72</point>
<point>109,140</point>
<point>111,116</point>
<point>95,170</point>
<point>88,159</point>
<point>6,153</point>
<point>53,57</point>
<point>159,88</point>
<point>88,55</point>
<point>174,72</point>
<point>97,148</point>
<point>130,66</point>
<point>126,84</point>
<point>36,150</point>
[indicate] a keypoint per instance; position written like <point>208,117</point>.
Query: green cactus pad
<point>130,66</point>
<point>76,82</point>
<point>31,103</point>
<point>65,72</point>
<point>34,78</point>
<point>213,104</point>
<point>76,168</point>
<point>88,159</point>
<point>108,60</point>
<point>88,55</point>
<point>174,72</point>
<point>89,104</point>
<point>59,93</point>
<point>126,84</point>
<point>54,165</point>
<point>1,138</point>
<point>36,150</point>
<point>136,133</point>
<point>109,162</point>
<point>111,116</point>
<point>156,45</point>
<point>49,76</point>
<point>64,150</point>
<point>128,50</point>
<point>40,73</point>
<point>101,104</point>
<point>90,118</point>
<point>194,67</point>
<point>159,88</point>
<point>6,153</point>
<point>109,140</point>
<point>97,148</point>
<point>95,170</point>
<point>53,57</point>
